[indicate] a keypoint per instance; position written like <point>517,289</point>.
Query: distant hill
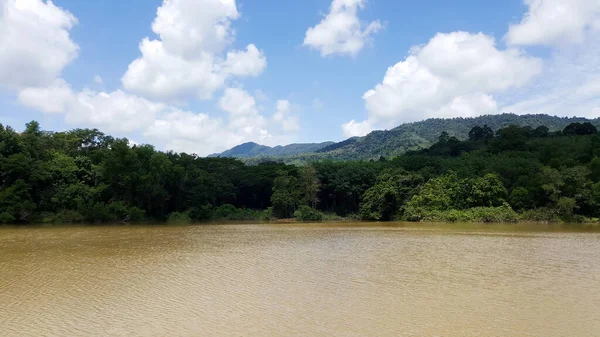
<point>249,150</point>
<point>406,137</point>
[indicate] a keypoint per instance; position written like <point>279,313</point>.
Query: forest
<point>507,175</point>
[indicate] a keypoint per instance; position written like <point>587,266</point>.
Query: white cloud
<point>202,134</point>
<point>260,95</point>
<point>35,44</point>
<point>184,131</point>
<point>283,107</point>
<point>251,62</point>
<point>187,60</point>
<point>356,129</point>
<point>570,85</point>
<point>115,111</point>
<point>238,102</point>
<point>556,22</point>
<point>341,31</point>
<point>169,127</point>
<point>454,74</point>
<point>243,113</point>
<point>283,116</point>
<point>469,106</point>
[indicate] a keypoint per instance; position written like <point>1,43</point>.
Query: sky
<point>201,76</point>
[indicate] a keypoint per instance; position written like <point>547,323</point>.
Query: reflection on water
<point>299,280</point>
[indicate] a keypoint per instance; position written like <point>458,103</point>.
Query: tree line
<point>515,173</point>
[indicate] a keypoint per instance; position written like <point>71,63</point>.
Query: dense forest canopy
<point>514,173</point>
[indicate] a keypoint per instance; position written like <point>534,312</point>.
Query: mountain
<point>250,150</point>
<point>406,137</point>
<point>413,136</point>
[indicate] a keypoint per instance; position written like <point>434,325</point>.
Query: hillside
<point>249,150</point>
<point>406,137</point>
<point>412,136</point>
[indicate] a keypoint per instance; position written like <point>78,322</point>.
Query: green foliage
<point>84,176</point>
<point>384,201</point>
<point>177,218</point>
<point>63,217</point>
<point>540,215</point>
<point>230,212</point>
<point>267,214</point>
<point>520,198</point>
<point>6,218</point>
<point>502,214</point>
<point>202,213</point>
<point>421,135</point>
<point>306,213</point>
<point>251,149</point>
<point>580,129</point>
<point>286,196</point>
<point>308,183</point>
<point>487,191</point>
<point>442,193</point>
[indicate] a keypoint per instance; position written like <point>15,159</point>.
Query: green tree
<point>487,191</point>
<point>580,129</point>
<point>286,195</point>
<point>309,185</point>
<point>520,198</point>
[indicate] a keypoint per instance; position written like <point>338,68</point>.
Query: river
<point>299,280</point>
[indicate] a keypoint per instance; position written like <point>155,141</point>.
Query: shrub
<point>6,217</point>
<point>494,214</point>
<point>177,218</point>
<point>267,214</point>
<point>477,214</point>
<point>68,217</point>
<point>201,213</point>
<point>540,215</point>
<point>121,212</point>
<point>230,212</point>
<point>136,214</point>
<point>305,213</point>
<point>224,212</point>
<point>333,217</point>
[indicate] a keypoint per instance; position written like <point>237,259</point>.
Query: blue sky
<point>215,73</point>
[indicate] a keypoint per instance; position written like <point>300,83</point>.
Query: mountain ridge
<point>403,138</point>
<point>252,149</point>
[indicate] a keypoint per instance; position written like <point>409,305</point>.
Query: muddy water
<point>298,280</point>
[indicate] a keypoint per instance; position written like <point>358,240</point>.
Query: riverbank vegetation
<point>509,175</point>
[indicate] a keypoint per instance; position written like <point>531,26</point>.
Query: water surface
<point>299,280</point>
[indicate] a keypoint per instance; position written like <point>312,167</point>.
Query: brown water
<point>298,280</point>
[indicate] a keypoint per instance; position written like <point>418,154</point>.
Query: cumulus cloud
<point>190,59</point>
<point>356,129</point>
<point>556,22</point>
<point>202,134</point>
<point>238,102</point>
<point>341,31</point>
<point>167,126</point>
<point>115,111</point>
<point>454,74</point>
<point>283,116</point>
<point>35,44</point>
<point>570,86</point>
<point>185,131</point>
<point>243,113</point>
